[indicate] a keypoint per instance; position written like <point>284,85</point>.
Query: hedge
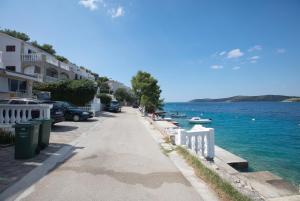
<point>78,92</point>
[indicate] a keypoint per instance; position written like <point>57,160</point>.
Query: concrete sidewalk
<point>117,160</point>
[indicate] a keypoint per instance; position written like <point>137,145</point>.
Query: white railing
<point>22,94</point>
<point>199,139</point>
<point>50,79</point>
<point>11,114</point>
<point>64,66</point>
<point>31,57</point>
<point>52,60</point>
<point>39,77</point>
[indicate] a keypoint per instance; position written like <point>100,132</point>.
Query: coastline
<point>261,185</point>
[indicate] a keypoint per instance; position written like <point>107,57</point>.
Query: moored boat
<point>198,120</point>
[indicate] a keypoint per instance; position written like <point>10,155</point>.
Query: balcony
<point>31,57</point>
<point>64,66</point>
<point>21,94</point>
<point>51,79</point>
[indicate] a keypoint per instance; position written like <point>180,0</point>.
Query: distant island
<point>266,98</point>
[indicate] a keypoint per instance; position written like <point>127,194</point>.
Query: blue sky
<point>196,49</point>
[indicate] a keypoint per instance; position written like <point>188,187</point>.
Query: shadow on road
<point>63,128</point>
<point>12,171</point>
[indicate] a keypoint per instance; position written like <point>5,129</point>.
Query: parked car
<point>135,105</point>
<point>114,106</point>
<point>73,113</point>
<point>56,113</point>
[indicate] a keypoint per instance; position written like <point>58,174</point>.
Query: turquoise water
<point>267,134</point>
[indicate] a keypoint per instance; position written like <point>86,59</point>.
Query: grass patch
<point>224,189</point>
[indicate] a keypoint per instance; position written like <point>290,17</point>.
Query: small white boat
<point>198,120</point>
<point>178,115</point>
<point>168,119</point>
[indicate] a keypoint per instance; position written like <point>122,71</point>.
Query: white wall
<point>30,47</point>
<point>3,84</point>
<point>10,58</point>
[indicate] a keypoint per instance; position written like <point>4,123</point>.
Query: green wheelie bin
<point>27,138</point>
<point>44,134</point>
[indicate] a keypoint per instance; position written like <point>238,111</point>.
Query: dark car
<point>114,106</point>
<point>73,113</point>
<point>56,113</point>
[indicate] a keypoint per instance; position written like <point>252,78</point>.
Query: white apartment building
<point>21,64</point>
<point>114,85</point>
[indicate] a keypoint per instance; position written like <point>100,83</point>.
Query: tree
<point>102,84</point>
<point>16,34</point>
<point>61,58</point>
<point>147,91</point>
<point>105,98</point>
<point>46,47</point>
<point>78,92</point>
<point>122,94</point>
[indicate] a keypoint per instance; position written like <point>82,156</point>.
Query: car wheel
<point>76,118</point>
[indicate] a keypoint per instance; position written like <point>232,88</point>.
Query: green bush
<point>105,99</point>
<point>6,137</point>
<point>78,92</point>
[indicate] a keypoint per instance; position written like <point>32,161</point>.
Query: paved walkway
<point>116,160</point>
<point>12,170</point>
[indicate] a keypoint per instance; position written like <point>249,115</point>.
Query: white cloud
<point>236,68</point>
<point>89,4</point>
<point>222,53</point>
<point>280,50</point>
<point>235,53</point>
<point>255,48</point>
<point>216,67</point>
<point>117,12</point>
<point>254,58</point>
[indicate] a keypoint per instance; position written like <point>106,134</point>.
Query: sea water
<point>267,134</point>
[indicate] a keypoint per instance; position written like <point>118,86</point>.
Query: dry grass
<point>224,189</point>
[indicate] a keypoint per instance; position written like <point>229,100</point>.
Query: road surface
<point>118,160</point>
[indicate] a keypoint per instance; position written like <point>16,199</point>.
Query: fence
<point>11,114</point>
<point>199,139</point>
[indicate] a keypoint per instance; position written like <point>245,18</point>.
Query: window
<point>17,85</point>
<point>10,48</point>
<point>10,68</point>
<point>37,70</point>
<point>13,85</point>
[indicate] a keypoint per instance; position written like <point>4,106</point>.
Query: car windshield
<point>67,104</point>
<point>114,102</point>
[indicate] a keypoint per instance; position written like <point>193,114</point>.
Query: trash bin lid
<point>27,124</point>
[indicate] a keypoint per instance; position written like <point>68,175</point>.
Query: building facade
<point>114,85</point>
<point>21,64</point>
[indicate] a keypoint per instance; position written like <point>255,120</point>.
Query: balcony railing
<point>52,60</point>
<point>51,79</point>
<point>11,114</point>
<point>31,57</point>
<point>64,66</point>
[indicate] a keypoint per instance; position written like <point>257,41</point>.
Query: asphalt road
<point>117,160</point>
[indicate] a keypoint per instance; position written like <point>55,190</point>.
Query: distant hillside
<point>270,98</point>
